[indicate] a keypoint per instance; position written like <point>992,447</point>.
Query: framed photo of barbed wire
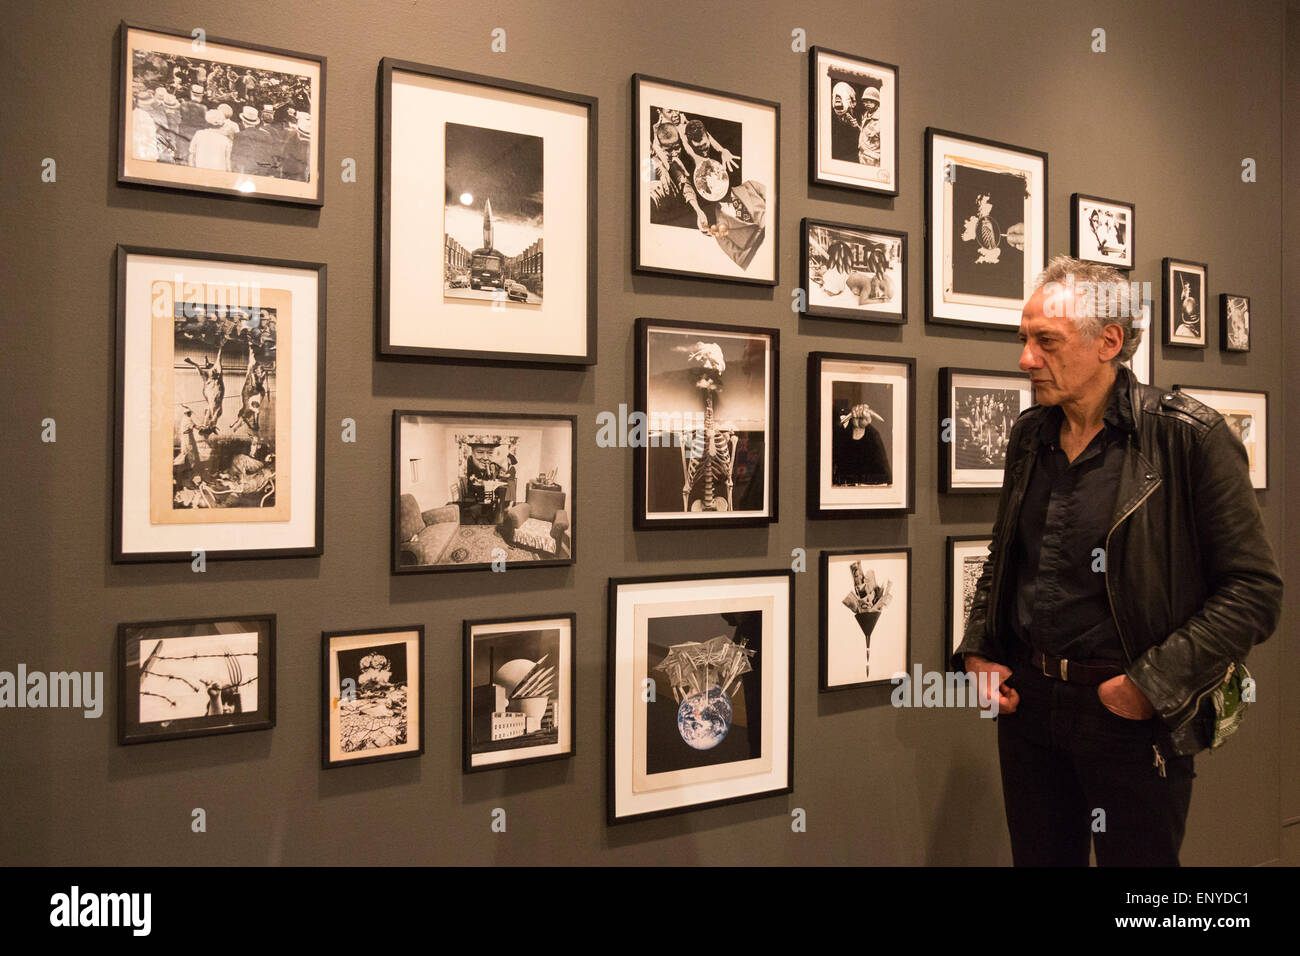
<point>977,408</point>
<point>220,398</point>
<point>852,122</point>
<point>705,425</point>
<point>195,677</point>
<point>1102,231</point>
<point>205,114</point>
<point>986,214</point>
<point>701,691</point>
<point>706,171</point>
<point>852,272</point>
<point>967,555</point>
<point>865,615</point>
<point>1183,284</point>
<point>861,435</point>
<point>1245,412</point>
<point>520,675</point>
<point>372,695</point>
<point>1234,322</point>
<point>487,247</point>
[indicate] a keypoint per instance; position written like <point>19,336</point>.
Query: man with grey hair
<point>1128,577</point>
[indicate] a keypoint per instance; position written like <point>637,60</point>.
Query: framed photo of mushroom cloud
<point>977,408</point>
<point>706,169</point>
<point>986,216</point>
<point>861,435</point>
<point>853,122</point>
<point>865,616</point>
<point>1246,414</point>
<point>220,400</point>
<point>708,455</point>
<point>701,691</point>
<point>967,555</point>
<point>520,675</point>
<point>487,221</point>
<point>372,695</point>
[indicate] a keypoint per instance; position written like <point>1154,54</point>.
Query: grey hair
<point>1103,297</point>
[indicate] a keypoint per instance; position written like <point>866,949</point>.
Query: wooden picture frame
<point>837,645</point>
<point>870,263</point>
<point>961,548</point>
<point>1103,231</point>
<point>385,701</point>
<point>1234,322</point>
<point>1188,301</point>
<point>969,462</point>
<point>829,71</point>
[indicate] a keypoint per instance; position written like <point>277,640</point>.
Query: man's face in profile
<point>1061,363</point>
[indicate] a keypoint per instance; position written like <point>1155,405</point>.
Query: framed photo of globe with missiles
<point>700,691</point>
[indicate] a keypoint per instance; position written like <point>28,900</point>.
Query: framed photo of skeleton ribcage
<point>704,430</point>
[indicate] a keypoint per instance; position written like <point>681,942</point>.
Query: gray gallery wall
<point>1163,118</point>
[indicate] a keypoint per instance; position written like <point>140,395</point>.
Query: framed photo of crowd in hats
<point>852,272</point>
<point>986,213</point>
<point>706,171</point>
<point>206,114</point>
<point>977,408</point>
<point>487,247</point>
<point>220,401</point>
<point>372,695</point>
<point>1234,322</point>
<point>1102,231</point>
<point>865,617</point>
<point>852,122</point>
<point>1183,284</point>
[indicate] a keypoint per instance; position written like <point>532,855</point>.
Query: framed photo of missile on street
<point>487,247</point>
<point>706,169</point>
<point>865,617</point>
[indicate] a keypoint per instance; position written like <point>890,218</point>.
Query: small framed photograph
<point>1246,414</point>
<point>220,399</point>
<point>861,435</point>
<point>865,617</point>
<point>852,272</point>
<point>196,677</point>
<point>520,675</point>
<point>986,210</point>
<point>1143,362</point>
<point>1185,296</point>
<point>707,455</point>
<point>1234,322</point>
<point>372,695</point>
<point>701,691</point>
<point>706,172</point>
<point>1101,231</point>
<point>967,555</point>
<point>978,407</point>
<point>852,122</point>
<point>476,489</point>
<point>220,116</point>
<point>487,250</point>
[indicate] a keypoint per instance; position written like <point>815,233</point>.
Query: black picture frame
<point>119,556</point>
<point>948,417</point>
<point>950,581</point>
<point>855,315</point>
<point>641,519</point>
<point>815,511</point>
<point>398,568</point>
<point>1268,424</point>
<point>1146,344</point>
<point>385,348</point>
<point>1167,266</point>
<point>123,138</point>
<point>467,690</point>
<point>823,617</point>
<point>129,634</point>
<point>814,122</point>
<point>327,699</point>
<point>1076,221</point>
<point>1224,343</point>
<point>772,221</point>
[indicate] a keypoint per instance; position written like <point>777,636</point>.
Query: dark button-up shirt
<point>1062,607</point>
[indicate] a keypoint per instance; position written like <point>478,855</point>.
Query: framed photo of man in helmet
<point>852,122</point>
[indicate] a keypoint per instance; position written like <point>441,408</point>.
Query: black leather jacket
<point>1192,580</point>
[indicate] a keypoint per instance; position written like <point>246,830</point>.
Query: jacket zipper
<point>1201,695</point>
<point>1115,617</point>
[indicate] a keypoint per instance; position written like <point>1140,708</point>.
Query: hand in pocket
<point>1122,697</point>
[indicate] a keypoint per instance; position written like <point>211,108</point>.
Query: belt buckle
<point>1065,669</point>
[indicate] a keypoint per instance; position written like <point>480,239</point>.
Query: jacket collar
<point>1121,413</point>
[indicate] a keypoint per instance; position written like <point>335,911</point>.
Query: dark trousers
<point>1072,770</point>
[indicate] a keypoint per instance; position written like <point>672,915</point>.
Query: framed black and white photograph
<point>1184,286</point>
<point>211,115</point>
<point>483,490</point>
<point>706,454</point>
<point>220,398</point>
<point>986,214</point>
<point>853,272</point>
<point>861,435</point>
<point>706,169</point>
<point>195,677</point>
<point>1246,414</point>
<point>1101,231</point>
<point>852,122</point>
<point>1143,362</point>
<point>1234,322</point>
<point>487,247</point>
<point>865,617</point>
<point>977,408</point>
<point>967,555</point>
<point>372,695</point>
<point>520,675</point>
<point>701,691</point>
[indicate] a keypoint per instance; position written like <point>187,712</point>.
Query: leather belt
<point>1074,672</point>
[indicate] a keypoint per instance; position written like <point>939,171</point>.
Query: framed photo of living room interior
<point>469,487</point>
<point>212,115</point>
<point>486,187</point>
